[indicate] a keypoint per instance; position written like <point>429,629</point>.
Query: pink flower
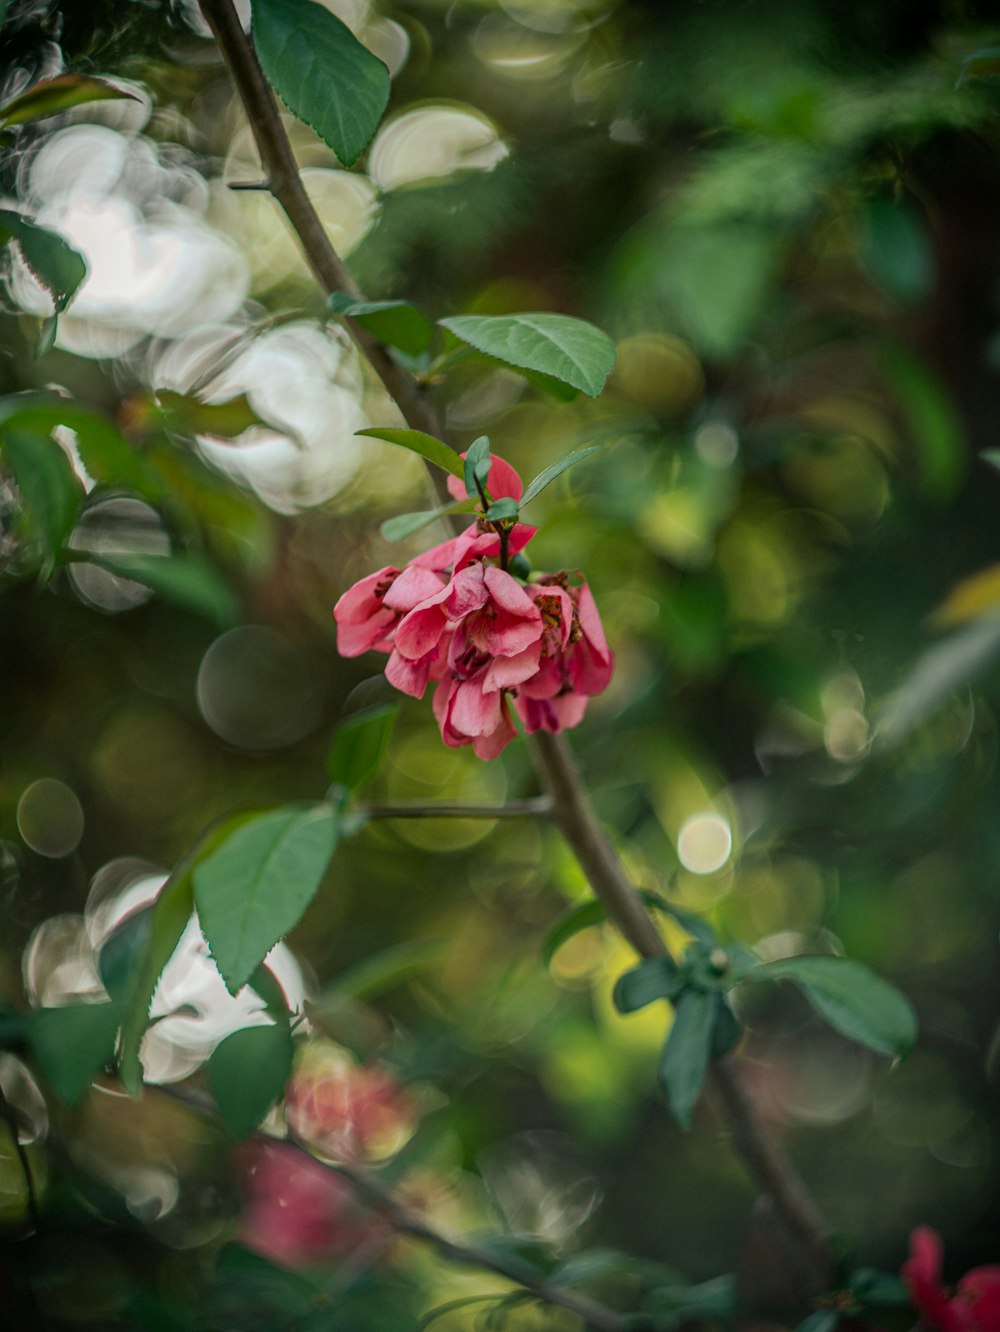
<point>497,616</point>
<point>575,661</point>
<point>975,1305</point>
<point>297,1212</point>
<point>345,1111</point>
<point>368,612</point>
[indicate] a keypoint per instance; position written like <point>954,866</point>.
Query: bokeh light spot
<point>50,818</point>
<point>704,843</point>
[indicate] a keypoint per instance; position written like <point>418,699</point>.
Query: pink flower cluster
<point>454,617</point>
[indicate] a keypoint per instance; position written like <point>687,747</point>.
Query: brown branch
<point>513,809</point>
<point>476,1255</point>
<point>408,1222</point>
<point>762,1153</point>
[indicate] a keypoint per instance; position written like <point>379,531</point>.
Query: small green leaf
<point>247,1073</point>
<point>567,349</point>
<point>823,1320</point>
<point>477,466</point>
<point>321,72</point>
<point>544,478</point>
<point>170,915</point>
<point>73,1044</point>
<point>854,1000</point>
<point>655,978</point>
<point>51,492</point>
<point>434,450</point>
<point>932,420</point>
<point>106,455</point>
<point>406,524</point>
<point>502,510</point>
<point>265,984</point>
<point>396,323</point>
<point>578,918</point>
<point>56,265</point>
<point>123,951</point>
<point>184,415</point>
<point>359,745</point>
<point>728,1028</point>
<point>187,581</point>
<point>386,970</point>
<point>685,1057</point>
<point>255,887</point>
<point>51,96</point>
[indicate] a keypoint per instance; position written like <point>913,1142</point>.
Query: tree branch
<point>762,1153</point>
<point>513,809</point>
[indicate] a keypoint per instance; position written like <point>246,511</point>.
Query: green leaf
<point>544,478</point>
<point>187,581</point>
<point>434,450</point>
<point>823,1320</point>
<point>123,951</point>
<point>654,978</point>
<point>321,72</point>
<point>247,1073</point>
<point>185,415</point>
<point>477,466</point>
<point>932,420</point>
<point>386,970</point>
<point>51,492</point>
<point>853,999</point>
<point>945,667</point>
<point>106,455</point>
<point>502,510</point>
<point>51,96</point>
<point>264,983</point>
<point>56,265</point>
<point>406,524</point>
<point>567,349</point>
<point>578,918</point>
<point>897,251</point>
<point>727,1030</point>
<point>359,745</point>
<point>255,887</point>
<point>684,1061</point>
<point>170,915</point>
<point>73,1044</point>
<point>396,323</point>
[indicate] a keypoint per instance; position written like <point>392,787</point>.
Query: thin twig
<point>513,809</point>
<point>762,1153</point>
<point>407,1222</point>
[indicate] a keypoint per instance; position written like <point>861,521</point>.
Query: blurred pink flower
<point>975,1304</point>
<point>298,1212</point>
<point>346,1111</point>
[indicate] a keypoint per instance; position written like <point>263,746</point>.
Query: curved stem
<point>513,809</point>
<point>760,1149</point>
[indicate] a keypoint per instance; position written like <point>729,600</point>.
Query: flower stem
<point>760,1149</point>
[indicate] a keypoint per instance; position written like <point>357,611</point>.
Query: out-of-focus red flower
<point>975,1304</point>
<point>298,1212</point>
<point>345,1111</point>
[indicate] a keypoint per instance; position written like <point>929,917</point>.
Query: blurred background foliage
<point>788,216</point>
